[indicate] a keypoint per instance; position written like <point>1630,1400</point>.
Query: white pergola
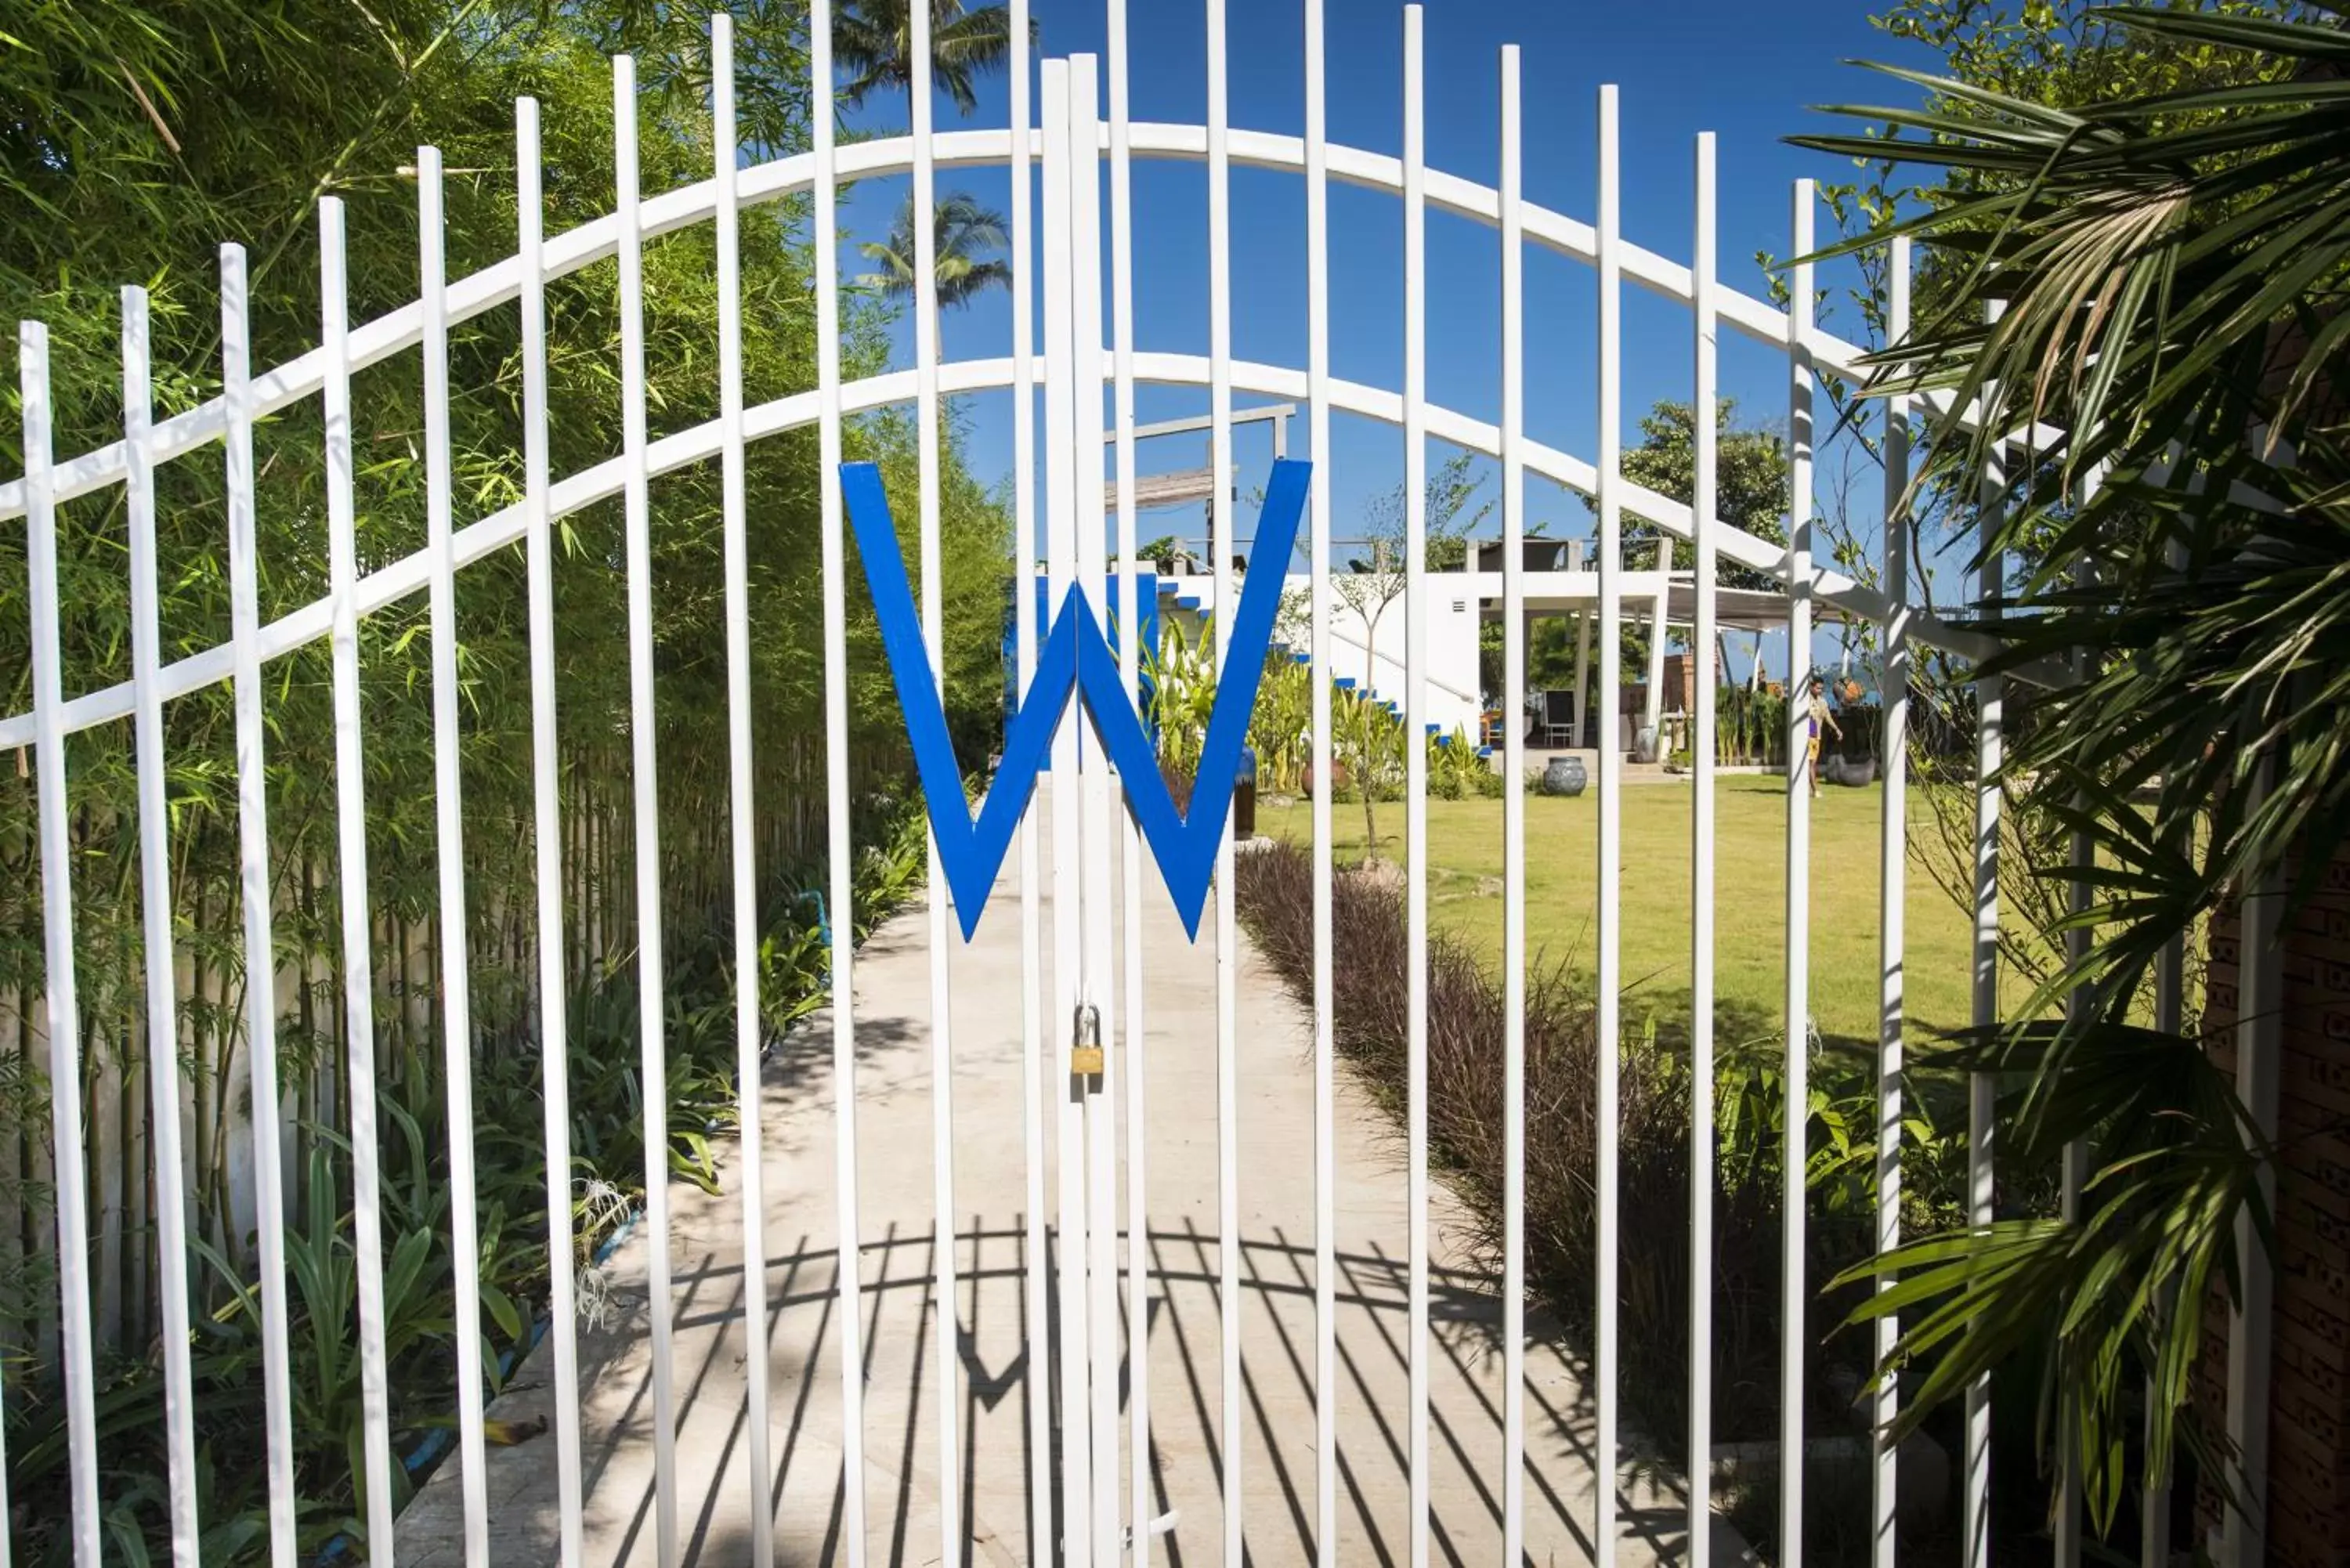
<point>1559,583</point>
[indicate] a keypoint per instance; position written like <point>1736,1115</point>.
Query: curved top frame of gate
<point>566,253</point>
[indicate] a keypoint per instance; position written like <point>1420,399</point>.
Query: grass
<point>1749,957</point>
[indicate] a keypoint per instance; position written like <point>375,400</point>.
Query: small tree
<point>1368,740</point>
<point>1375,579</point>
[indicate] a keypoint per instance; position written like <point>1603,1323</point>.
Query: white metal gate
<point>1092,865</point>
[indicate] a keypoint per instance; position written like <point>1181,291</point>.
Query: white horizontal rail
<point>593,242</point>
<point>388,585</point>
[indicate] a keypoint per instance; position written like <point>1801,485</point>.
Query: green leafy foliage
<point>873,40</point>
<point>1750,478</point>
<point>2156,199</point>
<point>141,134</point>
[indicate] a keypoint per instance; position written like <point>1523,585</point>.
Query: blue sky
<point>1746,72</point>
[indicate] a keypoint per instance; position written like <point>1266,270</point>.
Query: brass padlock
<point>1085,1046</point>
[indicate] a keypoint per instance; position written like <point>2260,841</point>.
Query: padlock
<point>1085,1046</point>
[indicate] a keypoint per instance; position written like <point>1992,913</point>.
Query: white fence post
<point>1514,816</point>
<point>840,851</point>
<point>1794,1288</point>
<point>1317,420</point>
<point>1705,430</point>
<point>1893,847</point>
<point>455,945</point>
<point>1981,1092</point>
<point>253,855</point>
<point>351,877</point>
<point>1415,749</point>
<point>1608,255</point>
<point>750,1028</point>
<point>70,1188</point>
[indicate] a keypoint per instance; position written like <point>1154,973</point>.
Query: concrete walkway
<point>999,1373</point>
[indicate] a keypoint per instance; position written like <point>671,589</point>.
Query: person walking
<point>1816,713</point>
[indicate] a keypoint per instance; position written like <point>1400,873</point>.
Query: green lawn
<point>1750,959</point>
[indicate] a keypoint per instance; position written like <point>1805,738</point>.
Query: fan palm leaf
<point>963,233</point>
<point>873,40</point>
<point>2171,272</point>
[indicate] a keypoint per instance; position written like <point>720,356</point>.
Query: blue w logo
<point>1075,658</point>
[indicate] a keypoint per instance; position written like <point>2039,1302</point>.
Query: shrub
<point>1466,1017</point>
<point>1275,890</point>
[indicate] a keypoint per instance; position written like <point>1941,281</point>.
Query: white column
<point>1656,712</point>
<point>1582,673</point>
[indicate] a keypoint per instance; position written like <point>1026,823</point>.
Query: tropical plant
<point>139,136</point>
<point>1455,771</point>
<point>1752,728</point>
<point>1182,693</point>
<point>1281,724</point>
<point>874,41</point>
<point>964,233</point>
<point>2169,265</point>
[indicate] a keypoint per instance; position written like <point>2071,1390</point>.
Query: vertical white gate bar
<point>1024,574</point>
<point>161,972</point>
<point>2075,1159</point>
<point>1793,1290</point>
<point>350,828</point>
<point>839,848</point>
<point>749,1086</point>
<point>449,844</point>
<point>180,1561</point>
<point>546,762</point>
<point>1415,748</point>
<point>926,415</point>
<point>1514,820</point>
<point>2076,1173</point>
<point>1611,812</point>
<point>1893,859</point>
<point>1981,1113</point>
<point>1131,864</point>
<point>637,505</point>
<point>2260,1047</point>
<point>1060,527</point>
<point>253,856</point>
<point>2154,1502</point>
<point>1703,498</point>
<point>1223,529</point>
<point>1093,776</point>
<point>64,1017</point>
<point>1317,420</point>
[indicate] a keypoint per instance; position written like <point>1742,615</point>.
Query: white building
<point>1559,582</point>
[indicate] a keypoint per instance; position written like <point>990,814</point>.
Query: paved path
<point>902,1477</point>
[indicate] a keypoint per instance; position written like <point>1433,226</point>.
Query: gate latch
<point>1085,1045</point>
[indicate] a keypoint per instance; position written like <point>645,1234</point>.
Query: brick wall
<point>2309,1427</point>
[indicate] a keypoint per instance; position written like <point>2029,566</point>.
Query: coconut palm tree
<point>965,236</point>
<point>874,39</point>
<point>2171,269</point>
